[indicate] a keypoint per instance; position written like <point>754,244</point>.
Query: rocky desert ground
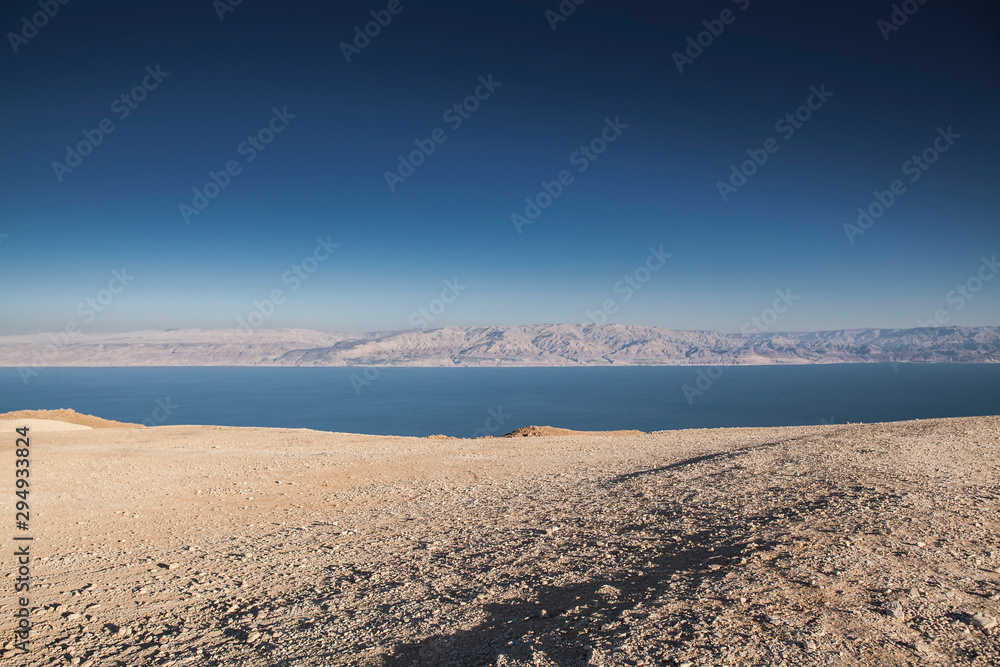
<point>197,545</point>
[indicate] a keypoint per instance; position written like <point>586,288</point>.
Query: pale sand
<point>822,545</point>
<point>69,417</point>
<point>8,426</point>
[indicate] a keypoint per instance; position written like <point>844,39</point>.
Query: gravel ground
<point>821,545</point>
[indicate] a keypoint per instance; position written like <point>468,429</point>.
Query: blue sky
<point>551,92</point>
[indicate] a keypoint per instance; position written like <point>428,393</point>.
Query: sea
<point>472,402</point>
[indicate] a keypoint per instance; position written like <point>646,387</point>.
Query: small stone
<point>921,544</point>
<point>252,637</point>
<point>810,645</point>
<point>983,622</point>
<point>921,647</point>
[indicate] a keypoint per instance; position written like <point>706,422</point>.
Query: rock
<point>540,659</point>
<point>253,637</point>
<point>983,622</point>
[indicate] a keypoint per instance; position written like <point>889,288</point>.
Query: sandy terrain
<point>67,417</point>
<point>823,545</point>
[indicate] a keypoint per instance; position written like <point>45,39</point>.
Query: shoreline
<point>520,364</point>
<point>59,419</point>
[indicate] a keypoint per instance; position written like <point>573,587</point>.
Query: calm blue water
<point>458,401</point>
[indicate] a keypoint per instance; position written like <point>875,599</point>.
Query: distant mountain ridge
<point>530,345</point>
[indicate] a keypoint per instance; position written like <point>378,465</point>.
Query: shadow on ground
<point>581,616</point>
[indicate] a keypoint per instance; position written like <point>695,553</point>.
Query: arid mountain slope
<point>534,345</point>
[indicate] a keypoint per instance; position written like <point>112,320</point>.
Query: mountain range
<point>530,345</point>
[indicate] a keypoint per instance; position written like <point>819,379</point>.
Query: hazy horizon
<point>236,327</point>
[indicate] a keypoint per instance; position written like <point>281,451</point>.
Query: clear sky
<point>115,113</point>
